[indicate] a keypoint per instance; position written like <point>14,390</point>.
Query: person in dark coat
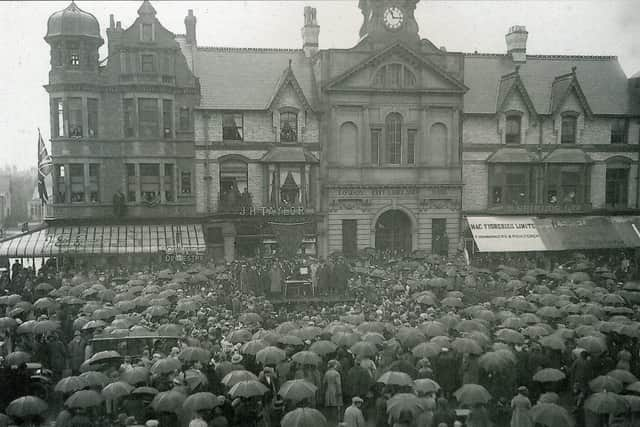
<point>341,273</point>
<point>324,276</point>
<point>447,370</point>
<point>57,354</point>
<point>358,382</point>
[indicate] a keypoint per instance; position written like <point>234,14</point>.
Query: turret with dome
<point>74,37</point>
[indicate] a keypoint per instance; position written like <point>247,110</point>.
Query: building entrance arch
<point>393,231</point>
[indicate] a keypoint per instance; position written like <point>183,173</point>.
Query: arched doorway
<point>393,231</point>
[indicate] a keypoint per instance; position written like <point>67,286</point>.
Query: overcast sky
<point>567,27</point>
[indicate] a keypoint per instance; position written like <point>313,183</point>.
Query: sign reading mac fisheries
<point>505,234</point>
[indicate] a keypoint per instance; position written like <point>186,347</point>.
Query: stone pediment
<point>396,68</point>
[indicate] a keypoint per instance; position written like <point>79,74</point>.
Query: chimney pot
<point>310,32</point>
<point>190,26</point>
<point>516,40</point>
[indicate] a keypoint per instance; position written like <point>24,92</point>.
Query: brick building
<point>549,135</point>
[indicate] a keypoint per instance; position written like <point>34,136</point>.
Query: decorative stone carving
<point>349,204</point>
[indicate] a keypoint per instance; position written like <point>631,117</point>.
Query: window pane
<point>76,175</point>
<point>129,119</point>
<point>168,183</point>
<point>375,146</point>
<point>148,117</point>
<point>568,131</point>
<point>512,134</point>
<point>75,117</point>
<point>288,127</point>
<point>148,63</point>
<point>395,71</point>
<point>617,187</point>
<point>132,183</point>
<point>167,118</point>
<point>411,146</point>
<point>58,117</point>
<point>394,138</point>
<point>185,123</point>
<point>185,182</point>
<point>60,184</point>
<point>619,131</point>
<point>232,126</point>
<point>94,182</point>
<point>92,116</point>
<point>149,181</point>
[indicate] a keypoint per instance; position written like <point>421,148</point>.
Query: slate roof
<point>562,87</point>
<point>512,155</point>
<point>601,78</point>
<point>511,82</point>
<point>247,79</point>
<point>568,155</point>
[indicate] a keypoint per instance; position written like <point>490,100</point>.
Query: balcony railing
<point>541,208</point>
<point>166,79</point>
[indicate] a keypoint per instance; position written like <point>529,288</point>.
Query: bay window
<point>510,184</point>
<point>566,184</point>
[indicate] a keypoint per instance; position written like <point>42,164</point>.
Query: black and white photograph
<point>322,213</point>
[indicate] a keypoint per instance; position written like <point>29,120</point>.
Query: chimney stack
<point>516,40</point>
<point>310,32</point>
<point>190,25</point>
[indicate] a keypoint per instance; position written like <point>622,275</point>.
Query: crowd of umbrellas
<point>415,314</point>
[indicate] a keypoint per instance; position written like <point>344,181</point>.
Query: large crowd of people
<point>418,340</point>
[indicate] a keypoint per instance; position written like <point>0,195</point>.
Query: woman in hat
<point>521,405</point>
<point>332,384</point>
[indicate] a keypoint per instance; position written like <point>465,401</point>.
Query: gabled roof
<point>601,78</point>
<point>509,83</point>
<point>289,154</point>
<point>562,87</point>
<point>401,48</point>
<point>246,79</point>
<point>288,78</point>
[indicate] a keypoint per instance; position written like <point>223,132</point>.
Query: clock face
<point>393,18</point>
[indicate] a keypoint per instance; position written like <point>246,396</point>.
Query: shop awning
<point>106,240</point>
<point>523,234</point>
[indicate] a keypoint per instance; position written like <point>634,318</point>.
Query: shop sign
<point>506,234</point>
<point>377,191</point>
<point>271,211</point>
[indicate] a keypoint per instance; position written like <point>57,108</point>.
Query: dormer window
<point>513,129</point>
<point>288,126</point>
<point>568,129</point>
<point>394,76</point>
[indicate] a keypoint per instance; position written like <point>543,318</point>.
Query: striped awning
<point>107,240</point>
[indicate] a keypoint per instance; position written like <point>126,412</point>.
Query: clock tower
<point>387,21</point>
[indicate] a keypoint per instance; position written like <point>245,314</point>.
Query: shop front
<point>262,232</point>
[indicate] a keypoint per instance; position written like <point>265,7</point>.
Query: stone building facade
<point>122,126</point>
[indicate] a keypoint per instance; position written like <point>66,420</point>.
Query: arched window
<point>233,184</point>
<point>393,127</point>
<point>348,144</point>
<point>394,76</point>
